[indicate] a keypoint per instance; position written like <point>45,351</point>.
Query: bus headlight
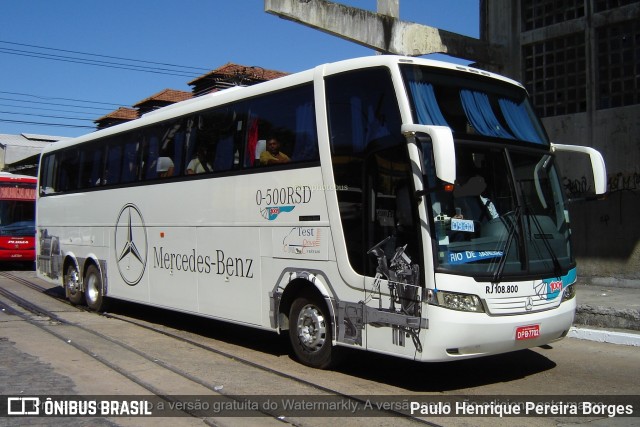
<point>460,302</point>
<point>568,293</point>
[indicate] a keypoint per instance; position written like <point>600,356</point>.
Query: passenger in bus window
<point>471,201</point>
<point>165,167</point>
<point>272,155</point>
<point>102,181</point>
<point>199,163</point>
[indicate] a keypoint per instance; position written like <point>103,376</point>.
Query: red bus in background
<point>17,217</point>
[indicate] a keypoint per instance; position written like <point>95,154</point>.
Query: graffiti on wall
<point>616,183</point>
<point>577,187</point>
<point>623,182</point>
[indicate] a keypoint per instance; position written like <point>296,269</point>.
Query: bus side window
<point>114,161</point>
<point>130,162</point>
<point>306,141</point>
<point>91,162</point>
<point>150,154</point>
<point>171,149</point>
<point>191,141</point>
<point>287,116</point>
<point>48,178</point>
<point>224,153</point>
<point>69,171</point>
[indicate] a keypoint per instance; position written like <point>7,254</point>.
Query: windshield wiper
<point>557,269</point>
<point>497,276</point>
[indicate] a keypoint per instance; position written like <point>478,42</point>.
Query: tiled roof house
<point>161,99</point>
<point>121,115</point>
<point>228,75</point>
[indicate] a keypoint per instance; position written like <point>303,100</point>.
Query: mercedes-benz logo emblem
<point>529,304</point>
<point>130,242</point>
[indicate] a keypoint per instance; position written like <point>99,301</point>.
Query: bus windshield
<point>17,218</point>
<point>505,216</point>
<point>17,209</point>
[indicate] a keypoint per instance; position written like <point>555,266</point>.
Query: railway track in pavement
<point>172,364</point>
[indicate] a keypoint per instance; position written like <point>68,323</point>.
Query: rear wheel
<point>93,291</point>
<point>310,331</point>
<point>72,288</point>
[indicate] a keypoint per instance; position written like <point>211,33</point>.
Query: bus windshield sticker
<point>464,257</point>
<point>465,225</point>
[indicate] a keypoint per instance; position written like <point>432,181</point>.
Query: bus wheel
<point>310,331</point>
<point>93,292</point>
<point>72,288</point>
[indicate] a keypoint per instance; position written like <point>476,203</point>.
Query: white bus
<point>413,209</point>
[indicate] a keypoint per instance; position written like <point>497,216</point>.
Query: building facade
<point>21,153</point>
<point>580,62</point>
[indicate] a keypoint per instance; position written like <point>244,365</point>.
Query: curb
<point>611,337</point>
<point>606,317</point>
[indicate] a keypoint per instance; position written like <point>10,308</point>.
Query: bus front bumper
<point>460,335</point>
<point>17,255</point>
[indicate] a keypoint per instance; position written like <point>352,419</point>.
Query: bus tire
<point>310,331</point>
<point>72,288</point>
<point>93,290</point>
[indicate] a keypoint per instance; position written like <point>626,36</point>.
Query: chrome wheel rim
<point>311,326</point>
<point>72,284</point>
<point>92,292</point>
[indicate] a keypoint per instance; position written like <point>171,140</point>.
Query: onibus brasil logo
<point>130,243</point>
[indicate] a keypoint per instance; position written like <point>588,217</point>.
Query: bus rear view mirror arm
<point>444,153</point>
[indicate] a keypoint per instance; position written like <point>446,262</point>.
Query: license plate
<point>527,332</point>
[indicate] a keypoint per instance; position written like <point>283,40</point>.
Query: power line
<point>95,63</point>
<point>133,65</point>
<point>105,56</point>
<point>36,104</point>
<point>45,124</point>
<point>54,103</point>
<point>48,109</point>
<point>33,106</point>
<point>46,116</point>
<point>31,95</point>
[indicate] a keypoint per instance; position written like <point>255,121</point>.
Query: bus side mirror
<point>597,163</point>
<point>444,153</point>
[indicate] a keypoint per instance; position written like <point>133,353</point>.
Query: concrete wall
<point>606,233</point>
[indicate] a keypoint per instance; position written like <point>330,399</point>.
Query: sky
<point>44,47</point>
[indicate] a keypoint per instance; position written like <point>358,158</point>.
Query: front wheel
<point>72,288</point>
<point>93,291</point>
<point>310,332</point>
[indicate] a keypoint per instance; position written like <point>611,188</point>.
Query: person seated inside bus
<point>272,155</point>
<point>101,180</point>
<point>165,167</point>
<point>199,163</point>
<point>470,201</point>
